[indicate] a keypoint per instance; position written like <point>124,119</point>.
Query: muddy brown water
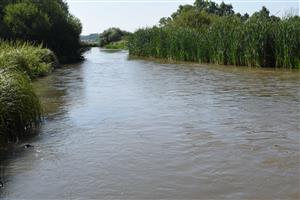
<point>131,129</point>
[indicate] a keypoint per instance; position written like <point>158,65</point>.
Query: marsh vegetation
<point>210,33</point>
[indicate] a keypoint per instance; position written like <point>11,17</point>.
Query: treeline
<point>93,37</point>
<point>46,22</point>
<point>211,33</point>
<point>114,38</point>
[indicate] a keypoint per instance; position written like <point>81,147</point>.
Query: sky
<point>98,15</point>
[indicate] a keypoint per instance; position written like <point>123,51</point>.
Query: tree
<point>201,4</point>
<point>193,19</point>
<point>111,35</point>
<point>43,21</point>
<point>164,21</point>
<point>182,9</point>
<point>226,9</point>
<point>213,8</point>
<point>26,21</point>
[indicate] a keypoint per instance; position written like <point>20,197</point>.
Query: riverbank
<point>20,109</point>
<point>213,66</point>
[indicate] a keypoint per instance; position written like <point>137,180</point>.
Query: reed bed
<point>229,40</point>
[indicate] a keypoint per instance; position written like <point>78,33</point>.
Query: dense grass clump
<point>34,60</point>
<point>20,110</point>
<point>205,35</point>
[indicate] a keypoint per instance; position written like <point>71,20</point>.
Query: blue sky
<point>98,15</point>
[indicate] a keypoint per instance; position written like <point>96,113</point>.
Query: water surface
<point>134,129</point>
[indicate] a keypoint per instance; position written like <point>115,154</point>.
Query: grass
<point>20,110</point>
<point>122,44</point>
<point>34,60</point>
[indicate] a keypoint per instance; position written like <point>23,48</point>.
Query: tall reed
<point>229,40</point>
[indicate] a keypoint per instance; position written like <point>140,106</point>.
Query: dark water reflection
<point>132,129</point>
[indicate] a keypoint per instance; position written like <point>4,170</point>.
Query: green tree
<point>213,8</point>
<point>43,21</point>
<point>26,21</point>
<point>111,35</point>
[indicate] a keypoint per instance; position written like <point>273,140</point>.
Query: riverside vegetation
<point>114,38</point>
<point>210,33</point>
<point>35,36</point>
<point>111,38</point>
<point>20,110</point>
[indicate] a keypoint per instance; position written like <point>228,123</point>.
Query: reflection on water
<point>133,129</point>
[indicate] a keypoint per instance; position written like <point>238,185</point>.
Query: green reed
<point>228,40</point>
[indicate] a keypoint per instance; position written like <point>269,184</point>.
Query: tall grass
<point>20,110</point>
<point>34,60</point>
<point>228,41</point>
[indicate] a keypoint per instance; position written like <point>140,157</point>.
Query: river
<point>119,128</point>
